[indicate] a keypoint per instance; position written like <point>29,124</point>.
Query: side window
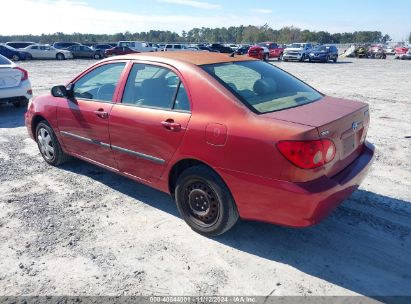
<point>169,46</point>
<point>155,87</point>
<point>177,46</point>
<point>100,83</point>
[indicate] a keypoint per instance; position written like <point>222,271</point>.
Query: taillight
<point>308,154</point>
<point>25,74</point>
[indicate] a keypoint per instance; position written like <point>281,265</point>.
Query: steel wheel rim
<point>45,143</point>
<point>201,203</point>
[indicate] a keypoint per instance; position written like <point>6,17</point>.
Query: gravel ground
<point>80,230</point>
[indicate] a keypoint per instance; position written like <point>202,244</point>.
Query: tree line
<point>233,34</point>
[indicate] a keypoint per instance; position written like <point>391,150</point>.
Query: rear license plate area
<point>348,144</point>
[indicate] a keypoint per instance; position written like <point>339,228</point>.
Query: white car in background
<point>139,46</point>
<point>45,51</point>
<point>176,47</point>
<point>15,85</point>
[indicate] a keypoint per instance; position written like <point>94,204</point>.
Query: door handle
<point>170,125</point>
<point>101,113</point>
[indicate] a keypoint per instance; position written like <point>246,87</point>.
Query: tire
<point>302,59</point>
<point>60,56</point>
<point>327,59</point>
<point>15,57</point>
<point>97,56</point>
<point>281,57</point>
<point>266,57</point>
<point>49,146</point>
<point>285,60</point>
<point>204,201</point>
<point>335,59</point>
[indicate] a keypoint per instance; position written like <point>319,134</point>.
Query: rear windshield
<point>262,87</point>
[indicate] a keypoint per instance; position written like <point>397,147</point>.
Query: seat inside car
<point>156,93</point>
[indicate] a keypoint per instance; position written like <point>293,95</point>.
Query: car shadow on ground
<point>11,117</point>
<point>364,246</point>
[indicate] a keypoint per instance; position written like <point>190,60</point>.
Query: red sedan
<point>119,50</point>
<point>227,137</point>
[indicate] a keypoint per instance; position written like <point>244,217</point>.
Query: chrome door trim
<point>120,149</point>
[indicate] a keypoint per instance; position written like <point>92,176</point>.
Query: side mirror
<point>59,91</point>
<point>62,91</point>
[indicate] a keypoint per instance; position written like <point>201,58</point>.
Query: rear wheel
<point>204,201</point>
<point>60,56</point>
<point>266,57</point>
<point>15,57</point>
<point>97,56</point>
<point>49,146</point>
<point>335,59</point>
<point>302,58</point>
<point>281,57</point>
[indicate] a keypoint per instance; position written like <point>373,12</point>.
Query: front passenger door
<point>83,119</point>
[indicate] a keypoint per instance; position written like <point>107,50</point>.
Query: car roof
<point>191,57</point>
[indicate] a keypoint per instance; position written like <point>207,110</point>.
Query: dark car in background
<point>205,48</point>
<point>101,47</point>
<point>19,44</point>
<point>13,54</point>
<point>119,50</point>
<point>323,53</point>
<point>220,48</point>
<point>83,51</point>
<point>242,50</point>
<point>64,45</point>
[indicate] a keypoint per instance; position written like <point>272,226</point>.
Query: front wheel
<point>97,56</point>
<point>281,57</point>
<point>49,146</point>
<point>266,57</point>
<point>204,201</point>
<point>15,57</point>
<point>302,59</point>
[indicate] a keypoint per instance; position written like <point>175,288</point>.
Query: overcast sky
<point>97,16</point>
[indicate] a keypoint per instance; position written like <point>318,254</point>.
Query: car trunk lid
<point>9,77</point>
<point>343,121</point>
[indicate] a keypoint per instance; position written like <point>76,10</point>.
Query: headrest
<point>265,86</point>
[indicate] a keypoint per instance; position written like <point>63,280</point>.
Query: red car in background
<point>119,50</point>
<point>266,50</point>
<point>401,50</point>
<point>276,150</point>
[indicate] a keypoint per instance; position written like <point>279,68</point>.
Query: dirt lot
<point>80,230</point>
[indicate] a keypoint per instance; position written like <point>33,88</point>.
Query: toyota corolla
<point>227,137</point>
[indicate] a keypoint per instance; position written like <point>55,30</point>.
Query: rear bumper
<point>296,204</point>
<point>19,92</point>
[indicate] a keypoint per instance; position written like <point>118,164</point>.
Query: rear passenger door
<point>147,127</point>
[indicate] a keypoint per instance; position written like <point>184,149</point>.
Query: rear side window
<point>155,87</point>
<point>99,84</point>
<point>261,86</point>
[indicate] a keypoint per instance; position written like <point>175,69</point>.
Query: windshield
<point>262,87</point>
<point>297,45</point>
<point>321,48</point>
